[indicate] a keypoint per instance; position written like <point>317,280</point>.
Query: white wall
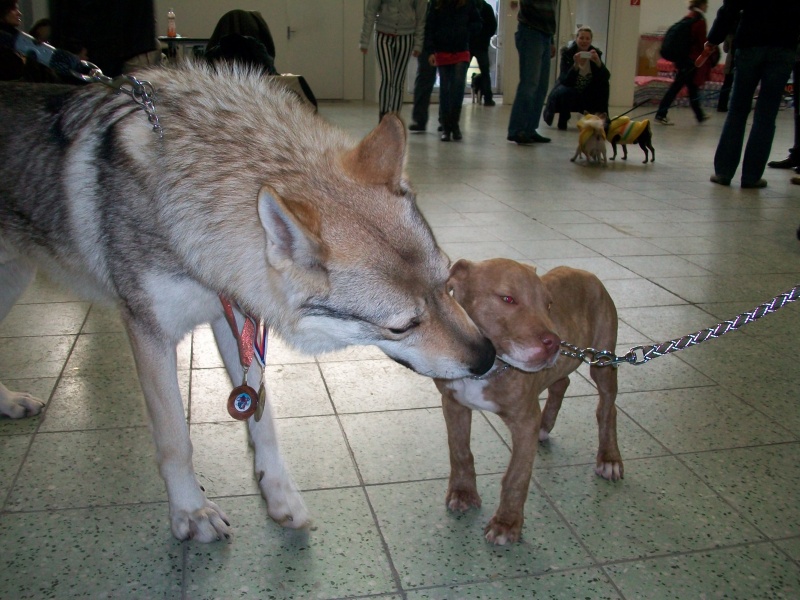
<point>658,15</point>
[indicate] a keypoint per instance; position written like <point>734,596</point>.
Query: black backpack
<point>678,40</point>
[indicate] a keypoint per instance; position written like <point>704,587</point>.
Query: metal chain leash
<point>68,64</point>
<point>142,92</point>
<point>638,355</point>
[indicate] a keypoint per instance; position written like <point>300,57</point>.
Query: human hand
<point>552,50</point>
<point>363,50</point>
<point>415,53</point>
<point>432,60</point>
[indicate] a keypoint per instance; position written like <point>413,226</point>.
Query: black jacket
<point>479,41</point>
<point>448,28</point>
<point>568,76</point>
<point>770,23</point>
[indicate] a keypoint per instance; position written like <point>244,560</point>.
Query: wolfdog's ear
<point>380,157</point>
<point>293,230</point>
<point>458,273</point>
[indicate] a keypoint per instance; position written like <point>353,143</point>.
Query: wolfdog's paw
<point>611,470</point>
<point>285,505</point>
<point>462,500</point>
<point>17,405</point>
<point>501,533</point>
<point>206,524</point>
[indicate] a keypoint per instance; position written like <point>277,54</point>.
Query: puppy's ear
<point>458,274</point>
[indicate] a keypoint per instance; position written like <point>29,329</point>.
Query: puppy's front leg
<point>284,503</point>
<point>462,489</point>
<point>505,526</point>
<point>609,460</point>
<point>555,396</point>
<point>192,515</point>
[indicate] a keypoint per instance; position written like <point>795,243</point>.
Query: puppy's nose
<point>486,358</point>
<point>551,342</point>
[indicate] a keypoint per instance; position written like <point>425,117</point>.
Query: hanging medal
<point>260,348</point>
<point>243,401</point>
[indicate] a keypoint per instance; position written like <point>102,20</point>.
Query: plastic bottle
<point>171,31</point>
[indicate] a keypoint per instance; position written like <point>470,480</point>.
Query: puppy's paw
<point>611,470</point>
<point>285,505</point>
<point>206,524</point>
<point>500,533</point>
<point>462,500</point>
<point>544,435</point>
<point>16,405</point>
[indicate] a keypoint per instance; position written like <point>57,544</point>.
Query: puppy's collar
<point>495,371</point>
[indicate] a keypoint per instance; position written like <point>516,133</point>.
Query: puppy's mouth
<point>530,366</point>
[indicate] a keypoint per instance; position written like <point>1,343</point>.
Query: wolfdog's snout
<point>486,354</point>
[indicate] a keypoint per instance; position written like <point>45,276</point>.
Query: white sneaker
<point>664,121</point>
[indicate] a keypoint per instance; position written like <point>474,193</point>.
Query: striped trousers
<point>394,52</point>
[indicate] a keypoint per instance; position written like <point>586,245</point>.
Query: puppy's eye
<point>508,299</point>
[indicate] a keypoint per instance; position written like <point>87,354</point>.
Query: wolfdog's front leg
<point>284,503</point>
<point>192,515</point>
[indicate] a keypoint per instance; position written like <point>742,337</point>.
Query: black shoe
<point>563,120</point>
<point>548,117</point>
<point>786,163</point>
<point>720,180</point>
<point>521,139</point>
<point>489,102</point>
<point>457,133</point>
<point>416,127</point>
<point>445,136</point>
<point>754,185</point>
<point>539,139</point>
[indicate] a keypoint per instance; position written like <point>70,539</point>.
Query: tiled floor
<point>710,503</point>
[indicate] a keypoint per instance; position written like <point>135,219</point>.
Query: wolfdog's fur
<point>250,195</point>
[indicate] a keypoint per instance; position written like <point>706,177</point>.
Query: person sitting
<point>244,36</point>
<point>583,81</point>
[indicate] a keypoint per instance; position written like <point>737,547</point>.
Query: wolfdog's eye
<point>407,328</point>
<point>508,300</point>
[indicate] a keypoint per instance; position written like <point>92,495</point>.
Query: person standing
<point>688,75</point>
<point>479,47</point>
<point>400,30</point>
<point>424,83</point>
<point>536,26</point>
<point>793,160</point>
<point>447,31</point>
<point>766,41</point>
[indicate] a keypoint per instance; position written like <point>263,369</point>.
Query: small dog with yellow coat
<point>624,131</point>
<point>591,138</point>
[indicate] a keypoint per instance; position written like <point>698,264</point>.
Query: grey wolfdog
<point>249,195</point>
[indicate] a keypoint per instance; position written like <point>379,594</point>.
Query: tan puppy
<point>591,138</point>
<point>526,317</point>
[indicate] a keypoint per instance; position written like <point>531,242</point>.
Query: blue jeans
<point>452,82</point>
<point>770,67</point>
<point>423,89</point>
<point>534,72</point>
